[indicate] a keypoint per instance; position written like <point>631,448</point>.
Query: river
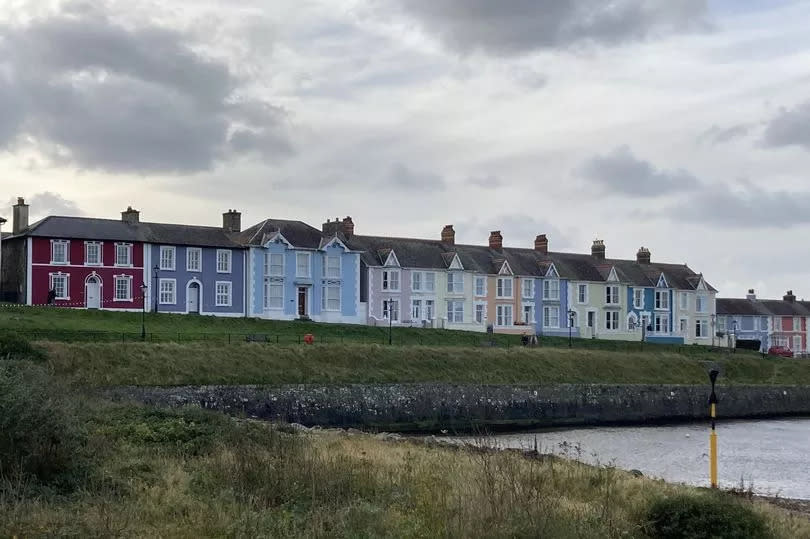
<point>771,456</point>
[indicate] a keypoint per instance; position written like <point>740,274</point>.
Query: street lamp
<point>2,222</point>
<point>734,350</point>
<point>390,320</point>
<point>143,311</point>
<point>155,289</point>
<point>571,315</point>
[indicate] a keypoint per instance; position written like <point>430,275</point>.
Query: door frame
<point>306,290</point>
<point>97,278</point>
<point>199,296</point>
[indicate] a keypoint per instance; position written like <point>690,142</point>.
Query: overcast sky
<point>681,126</point>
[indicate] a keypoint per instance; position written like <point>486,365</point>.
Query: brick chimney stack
<point>643,256</point>
<point>751,295</point>
<point>598,249</point>
<point>789,297</point>
<point>495,240</point>
<point>448,235</point>
<point>348,227</point>
<point>232,221</point>
<point>330,228</point>
<point>19,218</point>
<point>131,216</point>
<point>541,244</point>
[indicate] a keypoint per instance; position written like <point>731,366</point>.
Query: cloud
<point>404,178</point>
<point>789,128</point>
<point>518,27</point>
<point>83,89</point>
<point>49,203</point>
<point>720,135</point>
<point>518,230</point>
<point>622,173</point>
<point>486,182</point>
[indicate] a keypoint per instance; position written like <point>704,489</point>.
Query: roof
<point>85,228</point>
<point>298,233</point>
<point>762,307</point>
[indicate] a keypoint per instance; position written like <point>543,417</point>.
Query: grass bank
<point>107,364</point>
<point>139,472</point>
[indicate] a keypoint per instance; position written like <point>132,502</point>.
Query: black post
<point>143,312</point>
<point>390,321</point>
<point>156,290</point>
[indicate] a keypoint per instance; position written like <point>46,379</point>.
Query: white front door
<point>93,293</point>
<point>797,344</point>
<point>193,298</point>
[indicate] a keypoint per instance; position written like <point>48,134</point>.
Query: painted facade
<point>771,322</point>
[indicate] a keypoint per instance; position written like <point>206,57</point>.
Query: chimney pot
<point>19,218</point>
<point>130,216</point>
<point>232,221</point>
<point>448,235</point>
<point>751,295</point>
<point>541,244</point>
<point>643,256</point>
<point>789,297</point>
<point>495,240</point>
<point>598,249</point>
<point>348,226</point>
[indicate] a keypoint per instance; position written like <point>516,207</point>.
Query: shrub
<point>715,516</point>
<point>12,346</point>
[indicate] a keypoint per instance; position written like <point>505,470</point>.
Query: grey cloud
<point>486,182</point>
<point>622,173</point>
<point>49,203</point>
<point>720,135</point>
<point>789,128</point>
<point>91,92</point>
<point>523,26</point>
<point>403,177</point>
<point>517,231</point>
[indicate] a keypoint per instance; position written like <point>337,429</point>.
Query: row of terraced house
<point>286,269</point>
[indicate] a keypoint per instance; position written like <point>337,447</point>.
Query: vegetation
<point>704,517</point>
<point>104,364</point>
<point>190,473</point>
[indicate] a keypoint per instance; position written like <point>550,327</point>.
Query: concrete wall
<point>426,407</point>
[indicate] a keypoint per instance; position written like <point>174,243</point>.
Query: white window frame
<point>269,284</point>
<point>430,281</point>
<point>480,292</point>
<point>796,349</point>
<point>684,301</point>
<point>416,310</point>
<point>52,277</point>
<point>612,295</point>
<point>722,323</point>
<point>325,299</point>
<point>527,288</point>
<point>700,324</point>
<point>797,323</point>
<point>123,248</point>
<point>66,245</point>
<point>268,265</point>
<point>98,245</point>
<point>661,319</point>
<point>612,321</point>
<point>327,267</point>
<point>504,316</point>
<point>702,304</point>
<point>387,309</point>
<point>547,318</point>
<point>531,318</point>
<point>224,255</point>
<point>298,265</point>
<point>551,293</point>
<point>167,249</point>
<point>454,314</point>
<point>173,298</point>
<point>662,300</point>
<point>582,299</point>
<point>501,288</point>
<point>683,326</point>
<point>228,297</point>
<point>416,281</point>
<point>430,309</point>
<point>389,283</point>
<point>455,282</point>
<point>638,294</point>
<point>118,279</point>
<point>480,312</point>
<point>189,267</point>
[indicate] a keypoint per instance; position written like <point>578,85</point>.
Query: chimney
<point>348,227</point>
<point>232,221</point>
<point>495,240</point>
<point>330,228</point>
<point>751,295</point>
<point>643,256</point>
<point>19,218</point>
<point>448,235</point>
<point>541,244</point>
<point>598,249</point>
<point>789,297</point>
<point>130,216</point>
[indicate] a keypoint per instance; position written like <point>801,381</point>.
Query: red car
<point>781,351</point>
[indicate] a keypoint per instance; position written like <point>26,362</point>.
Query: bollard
<point>713,436</point>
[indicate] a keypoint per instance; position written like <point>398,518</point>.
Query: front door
<point>193,298</point>
<point>302,301</point>
<point>591,323</point>
<point>797,344</point>
<point>93,293</point>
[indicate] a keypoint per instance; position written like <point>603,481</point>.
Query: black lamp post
<point>156,289</point>
<point>390,320</point>
<point>571,315</point>
<point>143,311</point>
<point>734,350</point>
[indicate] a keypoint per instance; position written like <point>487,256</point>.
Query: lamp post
<point>143,311</point>
<point>390,320</point>
<point>2,222</point>
<point>734,350</point>
<point>156,289</point>
<point>714,330</point>
<point>571,315</point>
<point>713,436</point>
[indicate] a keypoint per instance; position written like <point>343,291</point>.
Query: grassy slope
<point>101,364</point>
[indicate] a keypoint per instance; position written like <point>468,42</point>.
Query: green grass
<point>107,364</point>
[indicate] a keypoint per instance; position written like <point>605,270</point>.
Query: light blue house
<point>296,271</point>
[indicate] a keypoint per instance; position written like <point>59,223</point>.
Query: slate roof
<point>762,307</point>
<point>297,233</point>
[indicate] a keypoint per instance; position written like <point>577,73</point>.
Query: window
<point>430,282</point>
<point>503,315</point>
<point>701,328</point>
<point>612,320</point>
<point>797,343</point>
<point>684,327</point>
<point>701,304</point>
<point>416,309</point>
<point>763,323</point>
<point>721,323</point>
<point>59,251</point>
<point>662,299</point>
<point>167,257</point>
<point>480,313</point>
<point>193,259</point>
<point>223,293</point>
<point>274,265</point>
<point>302,264</point>
<point>528,314</point>
<point>274,294</point>
<point>528,288</point>
<point>480,286</point>
<point>92,253</point>
<point>582,294</point>
<point>612,295</point>
<point>224,260</point>
<point>455,312</point>
<point>332,267</point>
<point>455,282</point>
<point>391,280</point>
<point>504,288</point>
<point>331,296</point>
<point>551,317</point>
<point>167,294</point>
<point>684,301</point>
<point>661,323</point>
<point>797,324</point>
<point>638,298</point>
<point>123,254</point>
<point>429,309</point>
<point>416,281</point>
<point>391,309</point>
<point>551,290</point>
<point>123,288</point>
<point>59,284</point>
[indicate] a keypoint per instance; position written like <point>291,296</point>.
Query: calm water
<point>771,455</point>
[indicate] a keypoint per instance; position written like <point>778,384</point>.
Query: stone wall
<point>432,407</point>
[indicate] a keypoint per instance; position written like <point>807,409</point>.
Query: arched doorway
<point>193,297</point>
<point>92,292</point>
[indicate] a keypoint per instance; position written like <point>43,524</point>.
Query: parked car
<point>781,351</point>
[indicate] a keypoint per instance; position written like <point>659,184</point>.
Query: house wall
<point>563,304</point>
<point>748,328</point>
<point>14,270</point>
<point>783,331</point>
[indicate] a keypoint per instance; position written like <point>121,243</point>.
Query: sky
<point>681,126</point>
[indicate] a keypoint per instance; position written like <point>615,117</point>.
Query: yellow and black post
<point>713,436</point>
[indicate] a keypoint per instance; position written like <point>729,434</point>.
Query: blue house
<point>296,271</point>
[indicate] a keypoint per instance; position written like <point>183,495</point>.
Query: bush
<point>715,516</point>
<point>12,346</point>
<point>39,438</point>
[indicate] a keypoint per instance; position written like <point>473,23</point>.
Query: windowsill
<point>59,263</point>
<point>94,264</point>
<point>167,269</point>
<point>224,272</point>
<point>122,300</point>
<point>193,270</point>
<point>223,305</point>
<point>61,299</point>
<point>504,297</point>
<point>123,266</point>
<point>167,303</point>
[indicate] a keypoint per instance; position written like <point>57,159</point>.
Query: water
<point>771,456</point>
